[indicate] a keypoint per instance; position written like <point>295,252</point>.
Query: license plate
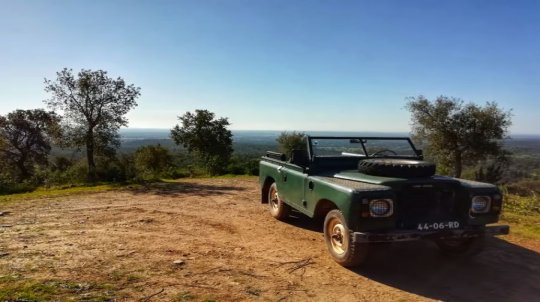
<point>434,226</point>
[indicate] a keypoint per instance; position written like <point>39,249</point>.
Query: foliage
<point>62,170</point>
<point>523,214</point>
<point>25,141</point>
<point>8,187</point>
<point>205,137</point>
<point>94,108</point>
<point>457,134</point>
<point>126,166</point>
<point>493,169</point>
<point>244,165</point>
<point>57,191</point>
<point>16,288</point>
<point>152,161</point>
<point>525,205</point>
<point>289,141</point>
<point>525,187</point>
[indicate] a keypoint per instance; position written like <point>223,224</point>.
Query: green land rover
<point>378,189</point>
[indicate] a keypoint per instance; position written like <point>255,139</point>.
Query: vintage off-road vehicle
<point>378,189</point>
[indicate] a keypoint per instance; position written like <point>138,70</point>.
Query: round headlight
<point>480,204</point>
<point>380,207</point>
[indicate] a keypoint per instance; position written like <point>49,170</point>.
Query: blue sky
<point>281,65</point>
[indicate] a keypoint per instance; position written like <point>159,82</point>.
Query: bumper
<point>416,235</point>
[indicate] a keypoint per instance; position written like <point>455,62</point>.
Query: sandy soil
<point>228,248</point>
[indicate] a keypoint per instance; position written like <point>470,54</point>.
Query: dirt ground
<point>123,245</point>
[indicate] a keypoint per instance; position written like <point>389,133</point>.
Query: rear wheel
<point>278,209</point>
<point>339,241</point>
<point>459,247</point>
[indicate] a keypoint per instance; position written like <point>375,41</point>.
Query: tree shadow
<point>180,188</point>
<point>502,272</point>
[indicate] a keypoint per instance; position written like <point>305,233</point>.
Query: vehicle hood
<point>387,181</point>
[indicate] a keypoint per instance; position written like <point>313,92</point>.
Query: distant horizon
<point>123,129</point>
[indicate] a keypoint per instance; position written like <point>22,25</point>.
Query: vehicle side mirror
<point>420,153</point>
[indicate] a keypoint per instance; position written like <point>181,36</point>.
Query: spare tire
<point>391,167</point>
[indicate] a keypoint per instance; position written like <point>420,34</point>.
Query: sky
<point>281,64</point>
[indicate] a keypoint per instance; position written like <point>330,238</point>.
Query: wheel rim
<point>339,240</point>
<point>273,199</point>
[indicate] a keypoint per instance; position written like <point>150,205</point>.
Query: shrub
<point>526,187</point>
<point>152,162</point>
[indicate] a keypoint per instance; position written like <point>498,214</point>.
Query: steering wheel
<point>380,152</point>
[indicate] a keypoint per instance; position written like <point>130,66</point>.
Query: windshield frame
<point>417,152</point>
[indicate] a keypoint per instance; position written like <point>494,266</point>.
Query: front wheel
<point>461,247</point>
<point>339,241</point>
<point>278,209</point>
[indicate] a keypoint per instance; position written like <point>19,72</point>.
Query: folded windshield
<point>362,147</point>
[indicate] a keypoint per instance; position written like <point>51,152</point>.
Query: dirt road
<point>123,245</point>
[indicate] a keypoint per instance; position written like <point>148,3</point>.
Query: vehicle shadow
<point>302,221</point>
<point>174,189</point>
<point>503,272</point>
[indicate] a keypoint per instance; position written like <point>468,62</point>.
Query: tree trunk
<point>90,156</point>
<point>23,172</point>
<point>457,165</point>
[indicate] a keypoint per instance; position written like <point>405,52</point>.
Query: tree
<point>94,108</point>
<point>457,134</point>
<point>205,137</point>
<point>287,142</point>
<point>25,139</point>
<point>151,161</point>
<point>494,168</point>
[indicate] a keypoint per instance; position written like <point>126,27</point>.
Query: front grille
<point>434,202</point>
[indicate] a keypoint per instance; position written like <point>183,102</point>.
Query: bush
<point>153,162</point>
<point>526,187</point>
<point>243,165</point>
<point>7,188</point>
<point>289,141</point>
<point>61,171</point>
<point>522,205</point>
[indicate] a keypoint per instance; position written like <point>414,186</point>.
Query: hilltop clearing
<point>211,240</point>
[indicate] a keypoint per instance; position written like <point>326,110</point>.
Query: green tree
<point>289,141</point>
<point>457,134</point>
<point>205,137</point>
<point>25,139</point>
<point>151,161</point>
<point>493,169</point>
<point>94,108</point>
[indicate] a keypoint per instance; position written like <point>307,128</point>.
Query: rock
<point>179,262</point>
